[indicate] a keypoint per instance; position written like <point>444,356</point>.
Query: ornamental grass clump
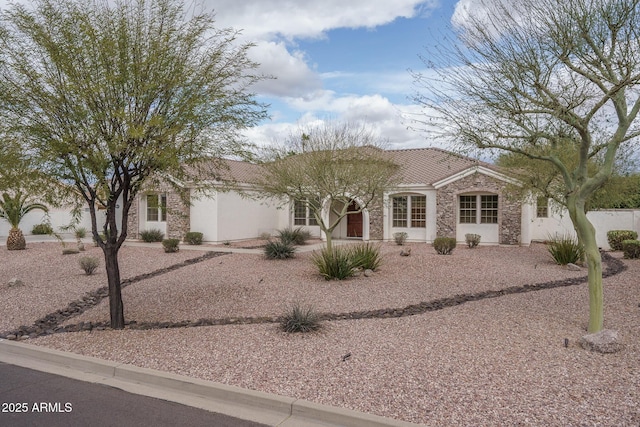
<point>616,237</point>
<point>300,318</point>
<point>334,264</point>
<point>296,236</point>
<point>89,264</point>
<point>444,245</point>
<point>565,249</point>
<point>152,235</point>
<point>277,249</point>
<point>631,249</point>
<point>365,256</point>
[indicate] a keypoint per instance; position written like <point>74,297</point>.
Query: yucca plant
<point>565,249</point>
<point>366,256</point>
<point>13,209</point>
<point>300,318</point>
<point>335,263</point>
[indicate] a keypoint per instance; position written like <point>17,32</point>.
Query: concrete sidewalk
<point>269,409</point>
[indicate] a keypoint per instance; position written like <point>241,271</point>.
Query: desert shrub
<point>193,238</point>
<point>444,245</point>
<point>152,235</point>
<point>277,249</point>
<point>295,236</point>
<point>334,264</point>
<point>300,318</point>
<point>171,245</point>
<point>631,249</point>
<point>89,264</point>
<point>565,249</point>
<point>365,256</point>
<point>400,237</point>
<point>472,240</point>
<point>80,232</point>
<point>616,237</point>
<point>42,229</point>
<point>264,236</point>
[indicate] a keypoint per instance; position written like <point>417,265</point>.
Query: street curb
<point>234,401</point>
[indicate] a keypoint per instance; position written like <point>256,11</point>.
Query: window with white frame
<point>302,215</point>
<point>156,207</point>
<point>469,212</point>
<point>542,207</point>
<point>409,211</point>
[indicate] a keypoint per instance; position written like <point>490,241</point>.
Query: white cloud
<point>264,19</point>
<point>390,121</point>
<point>292,75</point>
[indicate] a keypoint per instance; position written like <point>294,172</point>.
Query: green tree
<point>106,95</point>
<point>13,209</point>
<point>541,178</point>
<point>329,167</point>
<point>552,80</point>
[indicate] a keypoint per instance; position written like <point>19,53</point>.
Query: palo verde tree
<point>326,168</point>
<point>540,178</point>
<point>104,95</point>
<point>552,80</point>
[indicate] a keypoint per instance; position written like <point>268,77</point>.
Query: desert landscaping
<point>423,339</point>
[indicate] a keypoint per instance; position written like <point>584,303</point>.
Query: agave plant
<point>13,209</point>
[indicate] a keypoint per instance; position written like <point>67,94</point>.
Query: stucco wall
<point>559,223</point>
<point>426,234</point>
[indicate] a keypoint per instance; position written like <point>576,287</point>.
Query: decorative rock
<point>405,252</point>
<point>605,341</point>
<point>11,337</point>
<point>573,267</point>
<point>368,273</point>
<point>23,337</point>
<point>15,282</point>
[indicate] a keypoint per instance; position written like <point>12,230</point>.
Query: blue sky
<point>338,59</point>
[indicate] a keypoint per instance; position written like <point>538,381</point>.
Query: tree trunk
<point>587,237</point>
<point>115,295</point>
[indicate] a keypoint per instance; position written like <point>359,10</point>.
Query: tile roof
<point>426,166</point>
<point>422,166</point>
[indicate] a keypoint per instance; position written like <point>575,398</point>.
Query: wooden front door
<point>354,221</point>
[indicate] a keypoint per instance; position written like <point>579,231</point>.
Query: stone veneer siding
<point>376,220</point>
<point>178,213</point>
<point>509,211</point>
<point>178,216</point>
<point>133,224</point>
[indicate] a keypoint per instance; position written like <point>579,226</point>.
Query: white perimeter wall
<point>229,216</point>
<point>602,220</point>
<point>57,217</point>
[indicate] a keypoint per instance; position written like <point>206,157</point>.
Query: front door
<point>354,221</point>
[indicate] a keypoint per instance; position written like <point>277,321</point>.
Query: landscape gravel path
<point>498,361</point>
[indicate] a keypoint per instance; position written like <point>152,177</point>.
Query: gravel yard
<point>498,361</point>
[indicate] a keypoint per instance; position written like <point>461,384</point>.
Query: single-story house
<point>441,194</point>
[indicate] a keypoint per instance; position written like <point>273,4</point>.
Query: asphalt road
<point>33,398</point>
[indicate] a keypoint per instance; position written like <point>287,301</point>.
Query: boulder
<point>405,252</point>
<point>573,267</point>
<point>605,341</point>
<point>368,273</point>
<point>15,282</point>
